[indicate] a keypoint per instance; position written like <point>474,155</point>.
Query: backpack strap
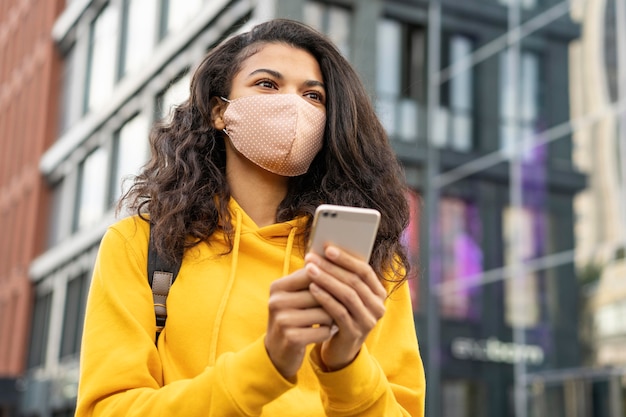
<point>161,276</point>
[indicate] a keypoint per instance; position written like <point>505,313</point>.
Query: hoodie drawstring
<point>229,287</point>
<point>231,279</point>
<point>290,239</point>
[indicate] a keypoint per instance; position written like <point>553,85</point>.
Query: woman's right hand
<point>295,321</point>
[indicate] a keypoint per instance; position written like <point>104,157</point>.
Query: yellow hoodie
<point>211,358</point>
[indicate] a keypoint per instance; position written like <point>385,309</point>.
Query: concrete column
<point>364,41</point>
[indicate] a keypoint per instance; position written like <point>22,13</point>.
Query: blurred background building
<point>29,69</point>
<point>598,86</point>
<point>506,114</point>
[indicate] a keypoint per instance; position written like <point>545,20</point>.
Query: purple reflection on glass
<point>462,259</point>
<point>534,193</point>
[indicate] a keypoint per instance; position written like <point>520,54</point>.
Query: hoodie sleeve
<point>387,376</point>
<point>120,369</point>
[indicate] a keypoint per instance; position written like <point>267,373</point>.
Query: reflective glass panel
<point>141,33</point>
<point>103,56</point>
<point>92,191</point>
<point>175,94</point>
<point>332,20</point>
<point>179,13</point>
<point>131,153</point>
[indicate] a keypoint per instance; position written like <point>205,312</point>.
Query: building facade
<point>599,58</point>
<point>29,70</point>
<point>475,96</point>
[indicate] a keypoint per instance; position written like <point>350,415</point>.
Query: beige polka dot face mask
<point>281,133</point>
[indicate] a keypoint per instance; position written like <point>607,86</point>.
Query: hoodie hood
<point>275,232</point>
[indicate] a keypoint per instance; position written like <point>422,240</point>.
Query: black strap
<point>161,276</point>
<point>156,263</point>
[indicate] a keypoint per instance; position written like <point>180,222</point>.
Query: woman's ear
<point>218,107</point>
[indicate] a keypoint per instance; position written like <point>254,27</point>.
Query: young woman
<point>277,123</point>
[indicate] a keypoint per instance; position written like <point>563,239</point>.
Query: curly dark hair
<point>183,188</point>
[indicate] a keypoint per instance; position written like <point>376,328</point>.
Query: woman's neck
<point>258,192</point>
<point>259,206</point>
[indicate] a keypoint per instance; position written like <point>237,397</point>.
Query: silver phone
<point>352,229</point>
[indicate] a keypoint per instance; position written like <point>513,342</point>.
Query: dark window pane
<point>74,315</point>
<point>39,331</point>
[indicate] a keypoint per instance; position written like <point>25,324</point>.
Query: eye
<point>266,83</point>
<point>315,95</point>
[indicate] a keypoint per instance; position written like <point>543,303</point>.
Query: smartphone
<point>352,229</point>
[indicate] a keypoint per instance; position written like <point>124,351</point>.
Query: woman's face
<point>276,68</point>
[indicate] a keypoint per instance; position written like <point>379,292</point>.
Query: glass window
<point>131,149</point>
<point>521,294</point>
<point>332,20</point>
<point>462,398</point>
<point>70,98</point>
<point>180,13</point>
<point>102,57</point>
<point>611,319</point>
<point>55,231</point>
<point>389,76</point>
<point>529,93</point>
<point>518,116</point>
<point>458,97</point>
<point>461,259</point>
<point>74,316</point>
<point>39,330</point>
<point>400,75</point>
<point>140,33</point>
<point>175,94</point>
<point>91,189</point>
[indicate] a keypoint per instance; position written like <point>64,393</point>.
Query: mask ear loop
<point>227,101</point>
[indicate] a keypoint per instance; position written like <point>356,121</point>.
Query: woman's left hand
<point>351,293</point>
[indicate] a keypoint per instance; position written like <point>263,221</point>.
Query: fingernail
<point>312,270</point>
<point>333,330</point>
<point>332,252</point>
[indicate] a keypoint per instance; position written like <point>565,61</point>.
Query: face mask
<point>281,133</point>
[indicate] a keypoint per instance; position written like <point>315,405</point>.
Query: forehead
<point>290,61</point>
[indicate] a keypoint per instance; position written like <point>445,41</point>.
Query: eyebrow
<point>278,75</point>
